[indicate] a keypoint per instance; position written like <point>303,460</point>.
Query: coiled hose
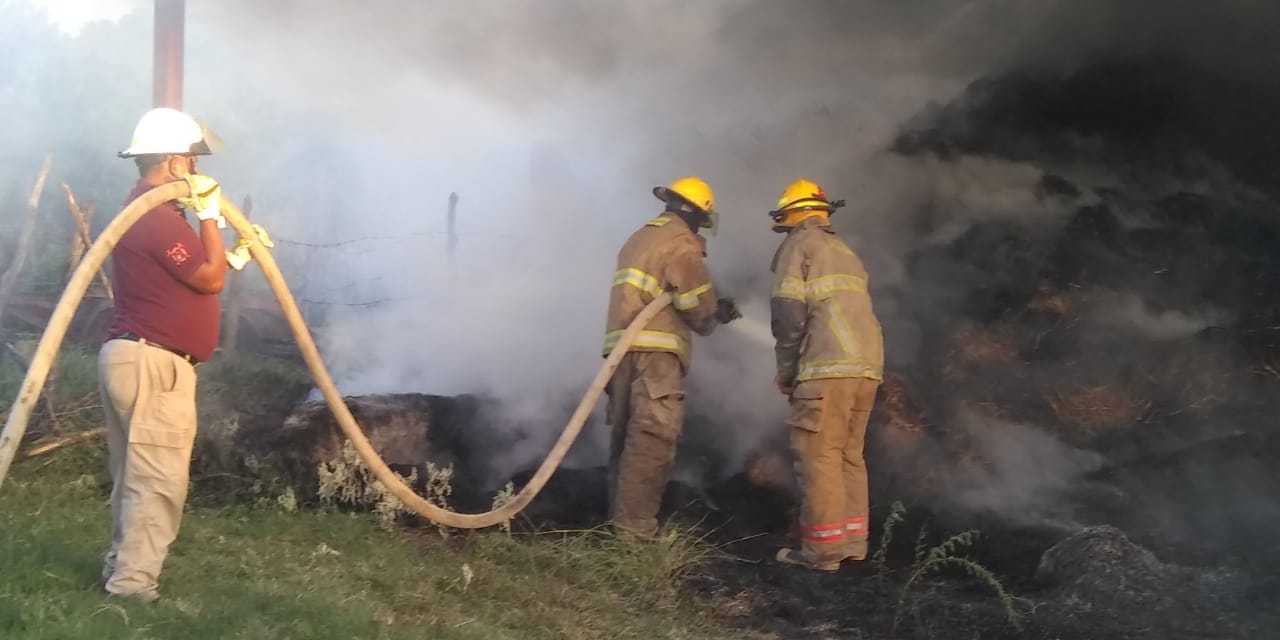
<point>60,320</point>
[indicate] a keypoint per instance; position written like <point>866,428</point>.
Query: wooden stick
<point>9,281</point>
<point>24,361</point>
<point>84,238</point>
<point>77,240</point>
<point>65,441</point>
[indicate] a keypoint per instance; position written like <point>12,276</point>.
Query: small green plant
<point>945,556</point>
<point>896,515</point>
<point>933,560</point>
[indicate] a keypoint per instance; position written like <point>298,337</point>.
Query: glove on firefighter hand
<point>262,238</point>
<point>785,386</point>
<point>240,256</point>
<point>205,198</point>
<point>727,310</point>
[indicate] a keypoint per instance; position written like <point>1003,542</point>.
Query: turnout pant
<point>646,411</point>
<point>149,397</point>
<point>828,426</point>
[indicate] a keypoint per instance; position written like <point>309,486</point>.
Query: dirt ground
<point>1094,582</point>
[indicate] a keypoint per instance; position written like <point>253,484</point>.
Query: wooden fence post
<point>9,281</point>
<point>83,239</point>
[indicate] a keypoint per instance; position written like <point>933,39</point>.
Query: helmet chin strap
<point>691,215</point>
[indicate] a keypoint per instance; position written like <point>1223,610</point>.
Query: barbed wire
<point>403,236</point>
<point>368,303</point>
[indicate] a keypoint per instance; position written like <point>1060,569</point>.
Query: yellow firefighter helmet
<point>691,194</point>
<point>801,200</point>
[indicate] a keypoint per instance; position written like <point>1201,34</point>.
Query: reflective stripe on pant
<point>149,397</point>
<point>829,424</point>
<point>646,410</point>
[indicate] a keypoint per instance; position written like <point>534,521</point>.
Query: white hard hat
<point>167,131</point>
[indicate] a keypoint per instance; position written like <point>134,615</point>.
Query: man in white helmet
<point>167,279</point>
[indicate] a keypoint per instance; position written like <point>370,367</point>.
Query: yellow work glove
<point>205,199</point>
<point>239,257</point>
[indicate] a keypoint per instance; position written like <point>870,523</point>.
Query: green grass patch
<point>249,384</point>
<point>242,572</point>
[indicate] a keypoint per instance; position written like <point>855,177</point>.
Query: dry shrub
<point>346,480</point>
<point>895,405</point>
<point>973,346</point>
<point>1093,411</point>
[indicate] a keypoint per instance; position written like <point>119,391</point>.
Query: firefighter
<point>165,323</point>
<point>646,393</point>
<point>830,358</point>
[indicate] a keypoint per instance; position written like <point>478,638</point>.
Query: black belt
<point>133,337</point>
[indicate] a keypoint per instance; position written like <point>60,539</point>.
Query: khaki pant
<point>829,424</point>
<point>149,396</point>
<point>646,410</point>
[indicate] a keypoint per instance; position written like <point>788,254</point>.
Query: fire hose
<point>60,320</point>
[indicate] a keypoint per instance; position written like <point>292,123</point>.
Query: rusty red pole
<point>170,21</point>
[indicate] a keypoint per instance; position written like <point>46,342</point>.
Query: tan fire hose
<point>60,320</point>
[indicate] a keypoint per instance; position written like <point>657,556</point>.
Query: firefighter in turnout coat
<point>830,358</point>
<point>646,393</point>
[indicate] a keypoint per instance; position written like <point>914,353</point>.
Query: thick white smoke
<point>552,124</point>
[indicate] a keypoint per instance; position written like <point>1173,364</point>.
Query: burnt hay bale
<point>1099,579</point>
<point>1100,562</point>
<point>1088,412</point>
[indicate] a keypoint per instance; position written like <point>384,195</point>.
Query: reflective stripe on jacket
<point>663,255</point>
<point>823,320</point>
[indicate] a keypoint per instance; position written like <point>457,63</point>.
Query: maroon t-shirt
<point>150,268</point>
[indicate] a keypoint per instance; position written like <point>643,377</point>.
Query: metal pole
<point>452,226</point>
<point>170,20</point>
<point>451,235</point>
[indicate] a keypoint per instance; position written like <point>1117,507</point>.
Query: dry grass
<point>899,412</point>
<point>1093,411</point>
<point>974,346</point>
